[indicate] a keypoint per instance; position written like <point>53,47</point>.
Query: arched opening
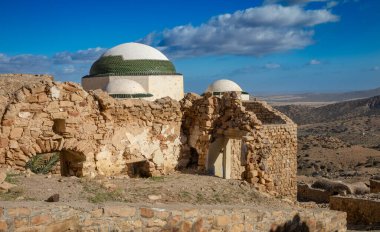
<point>71,163</point>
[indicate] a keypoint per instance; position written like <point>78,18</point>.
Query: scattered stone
<point>154,197</point>
<point>53,198</point>
<point>5,186</point>
<point>109,186</point>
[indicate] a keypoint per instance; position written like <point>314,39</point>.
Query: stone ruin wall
<point>123,217</point>
<point>10,83</point>
<point>281,132</point>
<point>361,210</point>
<point>103,134</point>
<point>269,146</point>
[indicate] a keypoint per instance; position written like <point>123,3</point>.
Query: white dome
<point>135,51</point>
<point>124,86</point>
<point>224,86</point>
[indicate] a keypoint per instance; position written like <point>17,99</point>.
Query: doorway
<point>219,158</point>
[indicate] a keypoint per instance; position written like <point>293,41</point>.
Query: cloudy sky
<point>267,46</point>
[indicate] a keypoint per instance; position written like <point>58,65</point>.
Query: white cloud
<point>331,4</point>
<point>292,2</point>
<point>72,65</point>
<point>254,31</point>
<point>272,66</point>
<point>69,69</point>
<point>87,55</point>
<point>3,57</point>
<point>314,62</point>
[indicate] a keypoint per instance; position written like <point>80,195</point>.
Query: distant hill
<point>343,110</point>
<point>320,97</point>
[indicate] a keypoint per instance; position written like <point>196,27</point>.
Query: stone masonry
<point>264,140</point>
<point>100,135</point>
<point>122,217</point>
<point>96,134</point>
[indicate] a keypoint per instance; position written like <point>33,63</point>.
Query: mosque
<point>134,70</point>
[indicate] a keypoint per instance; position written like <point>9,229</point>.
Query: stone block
<point>190,213</point>
<point>119,211</point>
<point>16,133</point>
<point>3,226</point>
<point>14,212</point>
<point>21,222</point>
<point>146,212</point>
<point>59,115</point>
<point>40,219</point>
<point>66,104</point>
<point>76,97</point>
<point>237,228</point>
<point>222,220</point>
<point>185,226</point>
<point>155,222</point>
<point>4,142</point>
<point>71,224</point>
<point>42,98</point>
<point>174,220</point>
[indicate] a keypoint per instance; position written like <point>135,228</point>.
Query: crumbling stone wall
<point>282,163</point>
<point>124,217</point>
<point>265,113</point>
<point>374,185</point>
<point>99,135</point>
<point>9,83</point>
<point>361,210</point>
<point>102,133</point>
<point>266,152</point>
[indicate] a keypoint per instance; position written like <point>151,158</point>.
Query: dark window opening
<point>139,169</point>
<point>59,126</point>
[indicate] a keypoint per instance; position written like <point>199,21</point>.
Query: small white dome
<point>135,51</point>
<point>124,86</point>
<point>224,86</point>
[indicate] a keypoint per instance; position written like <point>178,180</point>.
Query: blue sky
<point>270,46</point>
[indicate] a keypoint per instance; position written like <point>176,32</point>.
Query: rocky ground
<point>336,159</point>
<point>338,141</point>
<point>175,188</point>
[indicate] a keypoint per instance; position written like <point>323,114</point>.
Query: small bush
<point>40,165</point>
<point>10,178</point>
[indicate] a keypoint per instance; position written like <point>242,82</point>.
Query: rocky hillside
<point>338,111</point>
<point>339,141</point>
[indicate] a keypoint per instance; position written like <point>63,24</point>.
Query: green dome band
<point>137,95</point>
<point>115,65</point>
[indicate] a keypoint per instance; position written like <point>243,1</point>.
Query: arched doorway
<point>71,163</point>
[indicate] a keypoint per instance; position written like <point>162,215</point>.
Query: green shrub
<point>40,165</point>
